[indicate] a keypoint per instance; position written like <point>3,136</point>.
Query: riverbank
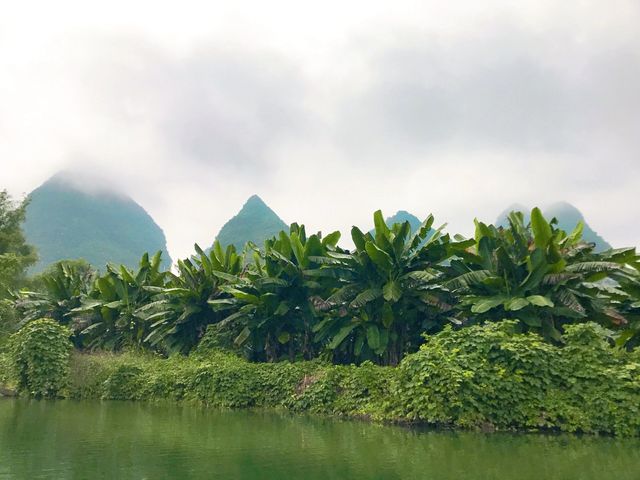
<point>484,378</point>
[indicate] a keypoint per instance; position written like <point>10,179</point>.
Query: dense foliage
<point>56,293</point>
<point>299,296</point>
<point>15,254</point>
<point>40,353</point>
<point>180,311</point>
<point>484,377</point>
<point>568,217</point>
<point>8,320</point>
<point>388,293</point>
<point>491,377</point>
<point>273,303</point>
<point>539,275</point>
<point>519,327</point>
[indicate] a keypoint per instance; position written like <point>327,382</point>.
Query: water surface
<point>122,440</point>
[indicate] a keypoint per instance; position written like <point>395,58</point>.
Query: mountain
<point>255,222</point>
<point>402,216</point>
<point>65,222</point>
<point>502,220</point>
<point>568,217</point>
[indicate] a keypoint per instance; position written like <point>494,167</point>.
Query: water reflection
<point>78,440</point>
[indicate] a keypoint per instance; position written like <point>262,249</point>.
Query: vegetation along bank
<point>520,327</point>
<point>482,377</point>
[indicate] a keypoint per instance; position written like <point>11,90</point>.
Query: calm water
<point>91,440</point>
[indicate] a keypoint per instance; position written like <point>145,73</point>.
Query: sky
<point>328,110</point>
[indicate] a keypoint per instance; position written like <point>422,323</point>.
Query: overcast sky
<point>328,110</point>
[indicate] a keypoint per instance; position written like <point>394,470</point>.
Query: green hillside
<point>568,217</point>
<point>63,222</point>
<point>255,222</point>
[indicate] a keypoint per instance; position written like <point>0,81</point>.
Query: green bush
<point>355,391</point>
<point>5,368</point>
<point>218,379</point>
<point>479,378</point>
<point>7,320</point>
<point>124,383</point>
<point>7,324</point>
<point>488,377</point>
<point>217,338</point>
<point>40,353</point>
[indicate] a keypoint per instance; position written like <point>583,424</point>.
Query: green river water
<point>121,440</point>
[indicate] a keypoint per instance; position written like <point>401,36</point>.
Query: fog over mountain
<point>330,111</point>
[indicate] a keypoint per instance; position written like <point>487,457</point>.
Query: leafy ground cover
<point>482,377</point>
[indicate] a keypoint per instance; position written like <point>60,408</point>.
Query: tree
<point>388,292</point>
<point>38,282</point>
<point>538,275</point>
<point>117,302</point>
<point>15,255</point>
<point>61,289</point>
<point>179,311</point>
<point>274,303</point>
<point>627,300</point>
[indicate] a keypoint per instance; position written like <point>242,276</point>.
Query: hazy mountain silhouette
<point>568,217</point>
<point>255,222</point>
<point>402,216</point>
<point>65,222</point>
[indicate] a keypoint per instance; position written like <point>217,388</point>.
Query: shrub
<point>5,368</point>
<point>356,391</point>
<point>7,324</point>
<point>485,377</point>
<point>41,357</point>
<point>7,320</point>
<point>124,383</point>
<point>217,338</point>
<point>488,377</point>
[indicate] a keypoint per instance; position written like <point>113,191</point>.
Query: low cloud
<point>213,107</point>
<point>510,90</point>
<point>459,117</point>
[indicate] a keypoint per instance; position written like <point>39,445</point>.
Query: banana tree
<point>537,274</point>
<point>628,302</point>
<point>275,302</point>
<point>179,312</point>
<point>388,293</point>
<point>116,301</point>
<point>61,289</point>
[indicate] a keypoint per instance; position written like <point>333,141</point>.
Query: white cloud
<point>328,112</point>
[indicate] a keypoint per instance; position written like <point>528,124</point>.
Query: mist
<point>328,114</point>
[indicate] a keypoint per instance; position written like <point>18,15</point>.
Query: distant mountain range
<point>568,217</point>
<point>64,222</point>
<point>255,222</point>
